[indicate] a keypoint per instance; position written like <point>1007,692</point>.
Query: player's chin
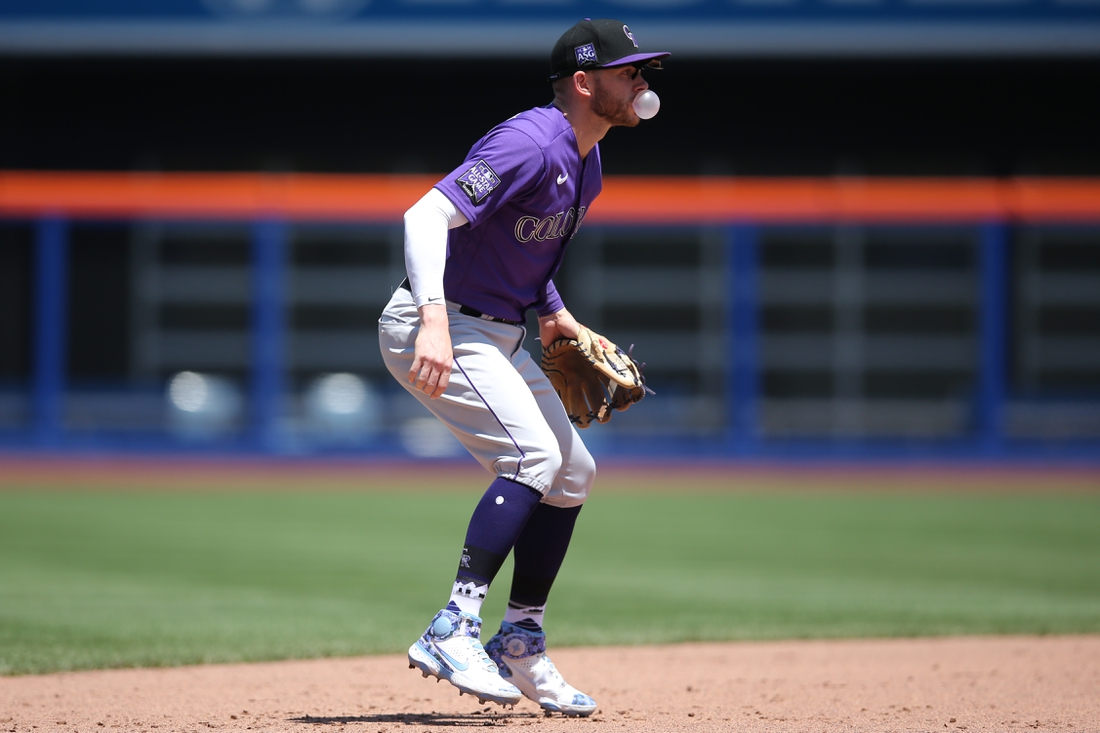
<point>625,117</point>
<point>628,118</point>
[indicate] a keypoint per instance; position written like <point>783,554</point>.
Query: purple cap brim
<point>635,58</point>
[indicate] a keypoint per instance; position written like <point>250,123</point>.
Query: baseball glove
<point>592,376</point>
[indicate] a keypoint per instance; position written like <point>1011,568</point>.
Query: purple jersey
<point>524,190</point>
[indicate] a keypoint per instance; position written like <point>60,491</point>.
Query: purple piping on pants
<point>485,402</point>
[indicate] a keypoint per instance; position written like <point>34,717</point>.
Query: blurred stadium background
<point>856,229</point>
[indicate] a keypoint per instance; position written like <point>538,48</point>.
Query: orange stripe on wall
<point>625,199</point>
<point>210,195</point>
<point>719,200</point>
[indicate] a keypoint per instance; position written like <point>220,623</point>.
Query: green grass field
<point>96,579</point>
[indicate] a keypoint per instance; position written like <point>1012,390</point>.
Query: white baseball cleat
<point>451,650</point>
<point>521,657</point>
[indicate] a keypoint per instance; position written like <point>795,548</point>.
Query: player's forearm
<point>426,227</point>
<point>560,324</point>
<point>433,317</point>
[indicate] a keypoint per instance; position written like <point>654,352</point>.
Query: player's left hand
<point>592,376</point>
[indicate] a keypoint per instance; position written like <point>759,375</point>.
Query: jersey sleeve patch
<point>478,182</point>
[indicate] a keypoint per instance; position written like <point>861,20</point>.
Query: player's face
<point>613,92</point>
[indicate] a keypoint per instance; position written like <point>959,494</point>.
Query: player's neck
<point>588,128</point>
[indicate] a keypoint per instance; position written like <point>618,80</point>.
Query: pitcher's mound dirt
<point>972,684</point>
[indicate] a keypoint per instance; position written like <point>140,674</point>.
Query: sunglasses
<point>639,66</point>
<point>651,65</point>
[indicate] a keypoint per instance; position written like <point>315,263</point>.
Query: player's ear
<point>582,83</point>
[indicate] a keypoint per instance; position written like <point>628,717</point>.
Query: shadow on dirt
<point>477,718</point>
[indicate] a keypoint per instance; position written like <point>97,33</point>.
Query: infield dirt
<point>942,684</point>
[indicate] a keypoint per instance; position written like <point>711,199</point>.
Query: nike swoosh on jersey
<point>563,178</point>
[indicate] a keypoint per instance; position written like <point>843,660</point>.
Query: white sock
<point>529,617</point>
<point>469,596</point>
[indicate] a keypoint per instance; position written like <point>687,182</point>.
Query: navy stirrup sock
<point>539,553</point>
<point>494,527</point>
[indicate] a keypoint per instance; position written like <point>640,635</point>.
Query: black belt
<point>468,311</point>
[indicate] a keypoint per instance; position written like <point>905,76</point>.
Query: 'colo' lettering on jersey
<point>552,227</point>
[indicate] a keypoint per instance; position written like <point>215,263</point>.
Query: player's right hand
<point>432,356</point>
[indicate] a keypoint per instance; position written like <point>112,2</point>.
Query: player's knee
<point>583,475</point>
<point>550,463</point>
<point>536,466</point>
<point>574,481</point>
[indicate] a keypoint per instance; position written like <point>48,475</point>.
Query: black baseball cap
<point>599,44</point>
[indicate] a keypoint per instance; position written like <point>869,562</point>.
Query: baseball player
<point>481,249</point>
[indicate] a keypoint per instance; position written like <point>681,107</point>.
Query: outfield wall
<point>796,317</point>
